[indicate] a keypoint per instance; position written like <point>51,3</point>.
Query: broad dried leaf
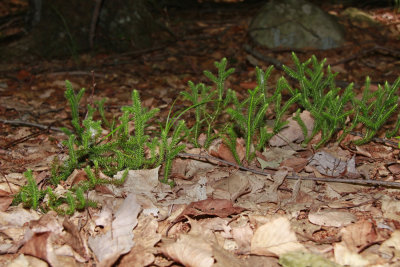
<point>358,235</point>
<point>275,238</point>
<point>331,218</point>
<point>137,182</point>
<point>390,208</point>
<point>193,249</point>
<point>21,261</point>
<point>146,237</point>
<point>211,207</point>
<point>119,239</point>
<point>391,246</point>
<point>232,187</point>
<point>292,132</point>
<point>329,165</point>
<point>346,257</point>
<point>274,156</point>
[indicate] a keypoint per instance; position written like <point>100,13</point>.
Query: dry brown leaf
<point>21,260</point>
<point>5,200</point>
<point>225,258</point>
<point>232,187</point>
<point>292,132</point>
<point>193,249</point>
<point>74,239</point>
<point>242,236</point>
<point>190,251</point>
<point>375,151</point>
<point>390,208</point>
<point>358,235</point>
<point>346,257</point>
<point>119,239</point>
<point>329,165</point>
<point>223,152</point>
<point>137,182</point>
<point>274,156</point>
<point>391,247</point>
<point>331,218</point>
<point>297,164</point>
<point>211,207</point>
<point>271,192</point>
<point>146,237</point>
<point>275,238</point>
<point>40,246</point>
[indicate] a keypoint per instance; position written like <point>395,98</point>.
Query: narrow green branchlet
<point>320,96</point>
<point>375,108</point>
<point>249,116</point>
<point>223,99</point>
<point>71,204</point>
<point>301,123</point>
<point>74,100</point>
<point>199,96</point>
<point>230,140</point>
<point>30,195</point>
<point>101,110</point>
<point>262,78</point>
<point>169,147</point>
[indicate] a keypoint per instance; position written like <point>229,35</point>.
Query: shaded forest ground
<point>32,89</point>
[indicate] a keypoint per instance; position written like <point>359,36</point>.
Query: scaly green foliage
<point>209,105</point>
<point>375,108</point>
<point>30,195</point>
<point>199,96</point>
<point>249,117</point>
<point>320,96</point>
<point>125,149</point>
<point>170,147</point>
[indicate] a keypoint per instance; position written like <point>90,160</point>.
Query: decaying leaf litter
<point>215,214</point>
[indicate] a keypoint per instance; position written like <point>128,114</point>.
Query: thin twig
<point>296,177</point>
<point>23,139</point>
<point>30,124</point>
<point>258,55</point>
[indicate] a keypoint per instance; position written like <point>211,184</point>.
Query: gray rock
<point>295,24</point>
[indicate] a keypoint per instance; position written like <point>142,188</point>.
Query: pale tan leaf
<point>332,218</point>
<point>345,257</point>
<point>190,250</point>
<point>275,238</point>
<point>119,239</point>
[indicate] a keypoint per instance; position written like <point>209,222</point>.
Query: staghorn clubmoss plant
<point>375,108</point>
<point>124,150</point>
<point>30,195</point>
<point>134,146</point>
<point>74,100</point>
<point>170,147</point>
<point>209,105</point>
<point>262,78</point>
<point>100,108</point>
<point>320,96</point>
<point>199,93</point>
<point>222,96</point>
<point>230,138</point>
<point>278,108</point>
<point>249,116</point>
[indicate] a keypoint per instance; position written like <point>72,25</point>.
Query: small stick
<point>338,179</point>
<point>30,124</point>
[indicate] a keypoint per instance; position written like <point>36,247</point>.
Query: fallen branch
<point>30,124</point>
<point>295,177</point>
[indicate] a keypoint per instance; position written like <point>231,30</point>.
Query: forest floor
<point>247,219</point>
